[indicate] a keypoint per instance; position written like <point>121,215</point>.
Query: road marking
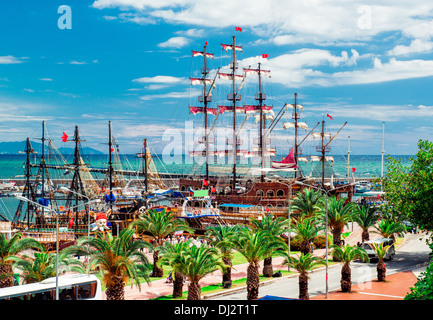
<point>383,295</point>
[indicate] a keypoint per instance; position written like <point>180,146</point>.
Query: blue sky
<point>129,61</point>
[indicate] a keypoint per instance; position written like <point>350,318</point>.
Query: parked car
<point>385,241</point>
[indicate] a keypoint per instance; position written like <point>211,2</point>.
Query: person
<point>169,278</point>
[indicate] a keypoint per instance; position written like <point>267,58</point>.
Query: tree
<point>276,227</point>
<point>42,266</point>
<point>167,253</point>
<point>365,217</point>
<point>347,254</point>
<point>159,224</point>
<point>118,259</point>
<point>307,229</point>
<point>255,246</point>
<point>303,263</point>
<point>307,203</point>
<point>9,248</point>
<point>194,263</point>
<point>423,288</point>
<point>339,214</point>
<point>221,238</point>
<point>388,228</point>
<point>408,188</point>
<point>380,252</point>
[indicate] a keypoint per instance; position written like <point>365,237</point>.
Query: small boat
<point>362,186</point>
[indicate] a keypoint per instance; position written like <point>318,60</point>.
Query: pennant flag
<point>329,116</point>
<point>353,169</point>
<point>111,150</point>
<point>64,137</point>
<point>205,43</point>
<point>265,55</point>
<point>238,29</point>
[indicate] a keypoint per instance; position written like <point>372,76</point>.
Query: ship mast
<point>234,97</point>
<point>205,72</point>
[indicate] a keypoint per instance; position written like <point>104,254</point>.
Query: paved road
<point>409,255</point>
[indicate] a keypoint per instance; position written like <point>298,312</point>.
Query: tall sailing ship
<point>252,190</point>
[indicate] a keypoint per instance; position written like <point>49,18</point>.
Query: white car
<point>386,242</point>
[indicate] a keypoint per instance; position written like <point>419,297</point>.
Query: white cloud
<point>10,60</point>
<point>172,95</point>
<point>175,42</point>
<point>160,79</point>
<point>45,79</point>
<point>416,46</point>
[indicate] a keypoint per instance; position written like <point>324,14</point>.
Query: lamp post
<point>289,186</point>
<point>64,189</point>
<point>57,232</point>
<point>326,230</point>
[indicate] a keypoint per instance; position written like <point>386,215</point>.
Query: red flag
<point>205,183</point>
<point>267,209</point>
<point>265,55</point>
<point>238,29</point>
<point>329,116</point>
<point>353,169</point>
<point>111,150</point>
<point>213,189</point>
<point>64,137</point>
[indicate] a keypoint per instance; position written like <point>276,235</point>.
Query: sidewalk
<point>395,287</point>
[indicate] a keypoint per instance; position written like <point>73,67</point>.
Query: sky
<point>84,63</point>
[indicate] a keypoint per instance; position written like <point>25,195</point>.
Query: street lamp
<point>64,189</point>
<point>57,232</point>
<point>289,186</point>
<point>326,229</point>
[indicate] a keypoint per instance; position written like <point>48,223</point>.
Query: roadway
<point>411,254</point>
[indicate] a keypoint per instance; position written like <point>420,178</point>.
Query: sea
<point>12,167</point>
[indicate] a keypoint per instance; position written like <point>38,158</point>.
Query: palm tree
<point>9,248</point>
<point>194,263</point>
<point>347,254</point>
<point>167,252</point>
<point>307,229</point>
<point>339,214</point>
<point>42,266</point>
<point>380,267</point>
<point>118,259</point>
<point>303,263</point>
<point>159,224</point>
<point>388,228</point>
<point>276,227</point>
<point>307,203</point>
<point>365,217</point>
<point>255,246</point>
<point>221,238</point>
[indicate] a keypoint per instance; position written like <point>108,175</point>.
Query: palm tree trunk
<point>381,270</point>
<point>156,272</point>
<point>6,278</point>
<point>227,273</point>
<point>336,235</point>
<point>268,270</point>
<point>177,285</point>
<point>303,287</point>
<point>253,281</point>
<point>194,291</point>
<point>365,236</point>
<point>116,290</point>
<point>346,278</point>
<point>305,247</point>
